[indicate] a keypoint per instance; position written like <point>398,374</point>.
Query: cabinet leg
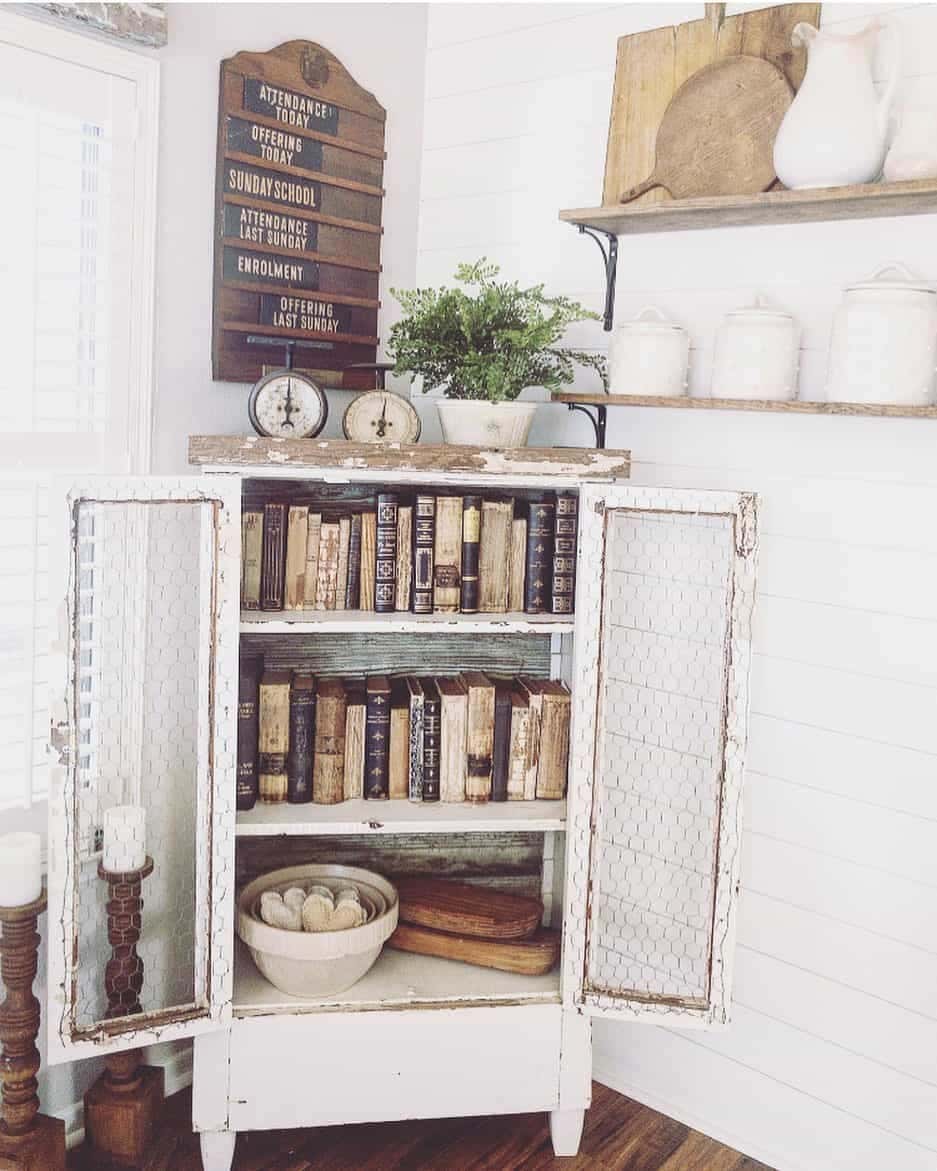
<point>566,1131</point>
<point>218,1149</point>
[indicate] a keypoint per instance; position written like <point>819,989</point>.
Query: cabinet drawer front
<point>289,1071</point>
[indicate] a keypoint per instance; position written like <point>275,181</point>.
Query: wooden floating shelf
<point>865,201</point>
<point>797,407</point>
<point>401,817</point>
<point>367,622</point>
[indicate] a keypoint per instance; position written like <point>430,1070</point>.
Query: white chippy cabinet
<point>638,866</point>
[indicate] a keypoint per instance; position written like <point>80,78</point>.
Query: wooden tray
<point>527,957</point>
<point>463,909</point>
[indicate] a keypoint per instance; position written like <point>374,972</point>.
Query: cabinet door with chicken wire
<point>149,659</point>
<point>659,736</point>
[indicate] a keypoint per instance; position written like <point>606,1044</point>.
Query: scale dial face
<point>287,405</point>
<point>380,416</point>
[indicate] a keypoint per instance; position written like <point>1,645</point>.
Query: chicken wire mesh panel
<point>661,727</point>
<point>142,665</point>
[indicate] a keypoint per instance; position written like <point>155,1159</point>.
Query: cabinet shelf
<point>796,407</point>
<point>401,817</point>
<point>368,622</point>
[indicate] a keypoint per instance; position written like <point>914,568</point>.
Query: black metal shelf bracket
<point>609,249</point>
<point>598,420</point>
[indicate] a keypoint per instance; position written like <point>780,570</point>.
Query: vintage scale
<point>380,415</point>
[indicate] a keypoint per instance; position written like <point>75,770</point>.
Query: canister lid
<point>651,320</point>
<point>761,310</point>
<point>893,277</point>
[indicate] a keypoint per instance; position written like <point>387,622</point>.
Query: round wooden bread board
<point>464,909</point>
<point>527,957</point>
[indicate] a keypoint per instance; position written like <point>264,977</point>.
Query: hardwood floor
<point>619,1135</point>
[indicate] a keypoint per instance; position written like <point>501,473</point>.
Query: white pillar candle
<point>20,869</point>
<point>124,838</point>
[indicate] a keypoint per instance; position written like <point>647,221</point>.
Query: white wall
<point>831,1062</point>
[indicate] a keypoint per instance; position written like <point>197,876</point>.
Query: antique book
<point>453,724</point>
<point>294,578</point>
<point>517,575</point>
<point>311,582</point>
<point>368,559</point>
<point>328,766</point>
<point>565,534</point>
<point>424,539</point>
<point>302,739</point>
<point>377,738</point>
<point>353,585</point>
<point>431,742</point>
<point>495,556</point>
<point>355,697</point>
<point>274,735</point>
<point>252,536</point>
<point>249,672</point>
<point>341,582</point>
<point>471,529</point>
<point>447,555</point>
<point>534,697</point>
<point>480,734</point>
<point>502,742</point>
<point>404,574</point>
<point>273,561</point>
<point>398,767</point>
<point>539,567</point>
<point>328,565</point>
<point>554,740</point>
<point>415,771</point>
<point>517,750</point>
<point>385,562</point>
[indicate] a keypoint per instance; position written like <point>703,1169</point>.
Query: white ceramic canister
<point>649,355</point>
<point>757,354</point>
<point>884,343</point>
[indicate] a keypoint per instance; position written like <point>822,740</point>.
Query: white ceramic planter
<point>477,423</point>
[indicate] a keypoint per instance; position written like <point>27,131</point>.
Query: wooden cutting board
<point>527,957</point>
<point>464,909</point>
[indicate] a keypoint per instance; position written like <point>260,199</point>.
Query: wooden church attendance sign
<point>298,214</point>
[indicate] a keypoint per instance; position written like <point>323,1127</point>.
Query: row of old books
<point>469,737</point>
<point>436,554</point>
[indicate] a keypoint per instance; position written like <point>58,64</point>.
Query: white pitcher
<point>835,131</point>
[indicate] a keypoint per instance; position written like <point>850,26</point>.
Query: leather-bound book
<point>501,747</point>
<point>311,581</point>
<point>480,735</point>
<point>328,566</point>
<point>539,568</point>
<point>385,563</point>
<point>431,741</point>
<point>251,668</point>
<point>273,561</point>
<point>518,564</point>
<point>355,718</point>
<point>517,751</point>
<point>398,767</point>
<point>554,741</point>
<point>404,575</point>
<point>328,767</point>
<point>274,735</point>
<point>471,531</point>
<point>495,556</point>
<point>368,560</point>
<point>452,733</point>
<point>564,552</point>
<point>294,578</point>
<point>302,739</point>
<point>447,555</point>
<point>377,738</point>
<point>532,693</point>
<point>252,536</point>
<point>344,542</point>
<point>424,540</point>
<point>353,585</point>
<point>415,771</point>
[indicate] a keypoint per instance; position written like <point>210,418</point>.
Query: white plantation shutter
<point>77,145</point>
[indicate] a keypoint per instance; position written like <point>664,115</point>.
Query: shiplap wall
<point>831,1061</point>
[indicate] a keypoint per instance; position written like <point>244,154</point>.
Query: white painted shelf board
<point>368,622</point>
<point>397,980</point>
<point>401,817</point>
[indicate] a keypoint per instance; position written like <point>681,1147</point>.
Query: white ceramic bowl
<point>322,963</point>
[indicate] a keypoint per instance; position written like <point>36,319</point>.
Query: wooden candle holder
<point>28,1140</point>
<point>123,1104</point>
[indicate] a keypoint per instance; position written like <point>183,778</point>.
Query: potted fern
<point>484,343</point>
